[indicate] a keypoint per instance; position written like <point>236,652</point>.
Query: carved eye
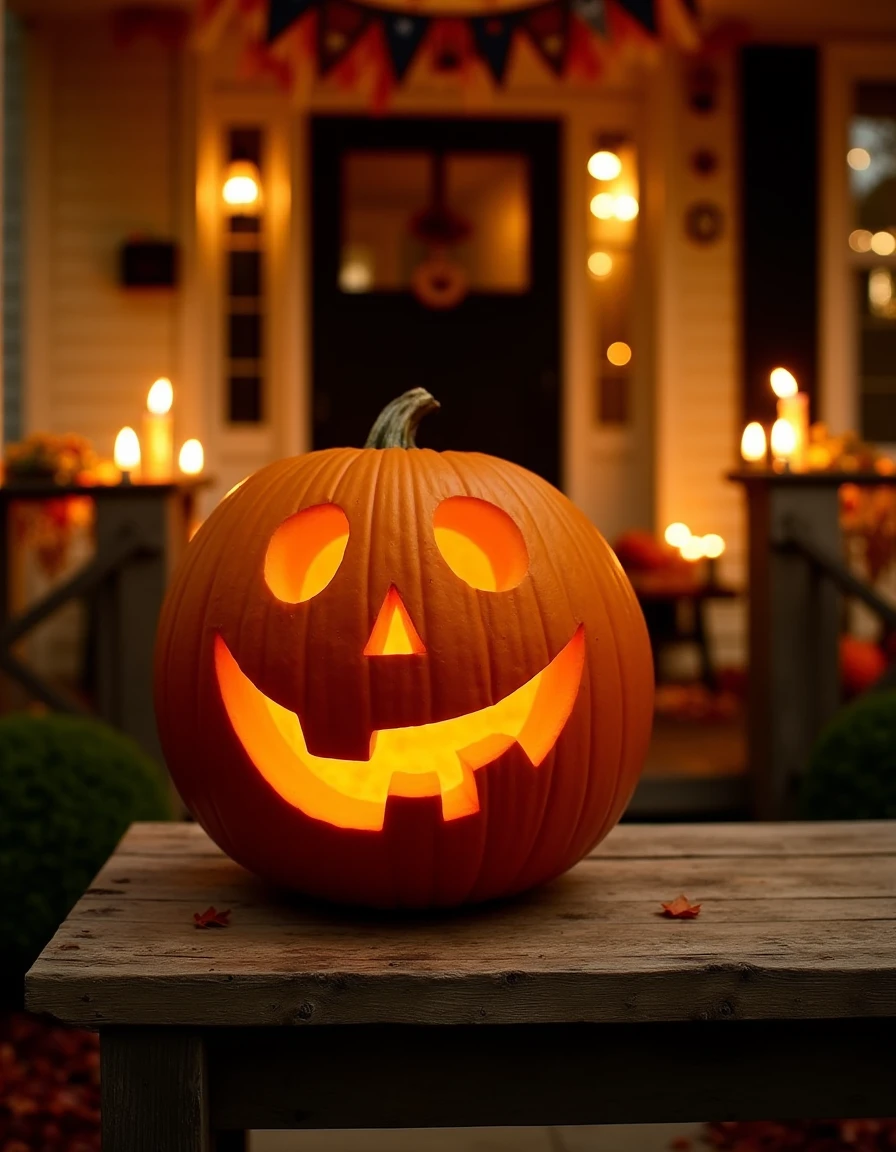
<point>305,552</point>
<point>480,543</point>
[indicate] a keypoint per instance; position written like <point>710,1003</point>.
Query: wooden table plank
<point>798,921</point>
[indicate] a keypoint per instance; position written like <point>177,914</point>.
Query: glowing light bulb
<point>858,158</point>
<point>619,353</point>
<point>692,548</point>
<point>676,534</point>
<point>753,444</point>
<point>626,207</point>
<point>191,459</point>
<point>242,186</point>
<point>160,397</point>
<point>600,264</point>
<point>783,383</point>
<point>127,450</point>
<point>783,439</point>
<point>604,165</point>
<point>603,206</point>
<point>860,240</point>
<point>713,546</point>
<point>883,243</point>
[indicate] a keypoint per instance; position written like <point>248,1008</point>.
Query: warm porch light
<point>242,187</point>
<point>191,459</point>
<point>626,207</point>
<point>783,440</point>
<point>860,240</point>
<point>753,445</point>
<point>858,158</point>
<point>604,165</point>
<point>883,243</point>
<point>676,534</point>
<point>692,549</point>
<point>783,383</point>
<point>619,353</point>
<point>603,206</point>
<point>600,264</point>
<point>713,545</point>
<point>126,453</point>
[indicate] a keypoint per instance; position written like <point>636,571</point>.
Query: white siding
<point>111,150</point>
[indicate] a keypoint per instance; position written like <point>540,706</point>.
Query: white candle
<point>158,432</point>
<point>795,410</point>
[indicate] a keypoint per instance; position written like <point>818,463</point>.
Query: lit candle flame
<point>676,534</point>
<point>752,443</point>
<point>713,545</point>
<point>783,439</point>
<point>192,458</point>
<point>692,549</point>
<point>783,383</point>
<point>160,397</point>
<point>127,450</point>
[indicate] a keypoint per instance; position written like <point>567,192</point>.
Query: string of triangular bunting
<point>549,26</point>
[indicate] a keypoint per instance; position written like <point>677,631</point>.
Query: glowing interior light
<point>480,543</point>
<point>619,353</point>
<point>880,291</point>
<point>783,439</point>
<point>603,206</point>
<point>160,397</point>
<point>191,459</point>
<point>355,276</point>
<point>600,264</point>
<point>883,243</point>
<point>858,158</point>
<point>242,186</point>
<point>860,240</point>
<point>692,548</point>
<point>393,632</point>
<point>676,534</point>
<point>713,545</point>
<point>783,382</point>
<point>625,208</point>
<point>436,759</point>
<point>604,165</point>
<point>305,552</point>
<point>127,450</point>
<point>753,447</point>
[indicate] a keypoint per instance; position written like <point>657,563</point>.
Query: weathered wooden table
<point>575,1004</point>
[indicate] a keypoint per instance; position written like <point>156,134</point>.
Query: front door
<point>435,259</point>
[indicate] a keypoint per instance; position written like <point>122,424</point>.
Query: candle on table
<point>784,442</point>
<point>158,431</point>
<point>127,454</point>
<point>793,406</point>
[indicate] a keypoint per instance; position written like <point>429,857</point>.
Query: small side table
<point>141,531</point>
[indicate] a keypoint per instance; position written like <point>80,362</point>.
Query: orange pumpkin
<point>398,677</point>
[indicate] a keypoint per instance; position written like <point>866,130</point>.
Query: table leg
<point>154,1091</point>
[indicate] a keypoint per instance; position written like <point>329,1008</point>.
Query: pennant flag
<point>340,25</point>
<point>644,11</point>
<point>548,29</point>
<point>493,36</point>
<point>404,35</point>
<point>284,13</point>
<point>593,13</point>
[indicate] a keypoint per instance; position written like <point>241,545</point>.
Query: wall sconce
<point>242,188</point>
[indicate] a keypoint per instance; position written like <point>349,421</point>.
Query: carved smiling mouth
<point>426,760</point>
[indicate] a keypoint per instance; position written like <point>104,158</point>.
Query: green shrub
<point>852,774</point>
<point>69,787</point>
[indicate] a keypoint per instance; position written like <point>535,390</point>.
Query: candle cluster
<point>152,458</point>
<point>789,438</point>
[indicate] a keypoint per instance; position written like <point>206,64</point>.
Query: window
<point>871,162</point>
<point>245,306</point>
<point>612,231</point>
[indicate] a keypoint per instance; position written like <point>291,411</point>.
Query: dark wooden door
<point>493,359</point>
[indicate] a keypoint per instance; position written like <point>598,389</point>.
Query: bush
<point>69,788</point>
<point>852,774</point>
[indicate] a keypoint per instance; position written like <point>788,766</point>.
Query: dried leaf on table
<point>212,918</point>
<point>681,909</point>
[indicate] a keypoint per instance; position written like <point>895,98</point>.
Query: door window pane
<point>387,194</point>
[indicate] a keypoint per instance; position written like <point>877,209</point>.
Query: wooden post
<point>795,621</point>
<point>154,1091</point>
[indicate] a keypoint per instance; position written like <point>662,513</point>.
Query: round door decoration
<point>397,677</point>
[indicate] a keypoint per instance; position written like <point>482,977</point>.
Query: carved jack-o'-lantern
<point>399,677</point>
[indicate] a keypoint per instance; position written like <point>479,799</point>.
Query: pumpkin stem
<point>396,424</point>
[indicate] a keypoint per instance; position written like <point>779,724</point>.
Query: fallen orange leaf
<point>681,909</point>
<point>212,918</point>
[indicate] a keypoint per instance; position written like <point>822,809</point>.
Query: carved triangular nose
<point>393,632</point>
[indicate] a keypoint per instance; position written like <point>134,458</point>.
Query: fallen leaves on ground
<point>49,1087</point>
<point>802,1136</point>
<point>212,918</point>
<point>681,909</point>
